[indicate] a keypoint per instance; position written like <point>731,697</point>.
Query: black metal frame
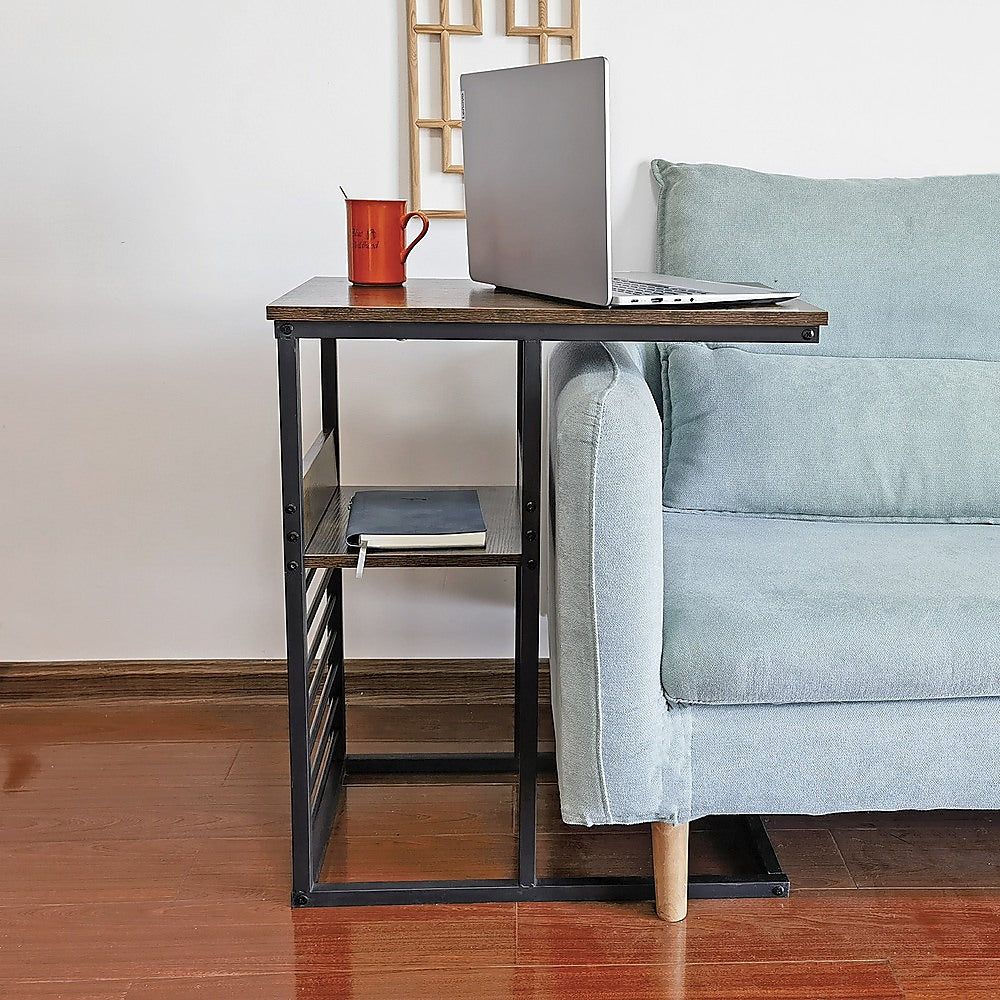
<point>314,634</point>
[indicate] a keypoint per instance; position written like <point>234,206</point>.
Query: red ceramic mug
<point>376,235</point>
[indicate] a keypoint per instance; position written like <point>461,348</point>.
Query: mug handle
<point>420,235</point>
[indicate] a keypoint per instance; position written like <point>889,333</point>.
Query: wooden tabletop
<point>457,300</point>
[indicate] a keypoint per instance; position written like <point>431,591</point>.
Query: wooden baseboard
<point>436,682</point>
<point>369,682</point>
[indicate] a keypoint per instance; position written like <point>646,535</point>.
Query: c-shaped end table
<point>315,553</point>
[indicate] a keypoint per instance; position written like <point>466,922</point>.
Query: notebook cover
<point>413,512</point>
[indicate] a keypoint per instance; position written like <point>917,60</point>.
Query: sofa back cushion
<point>907,268</point>
<point>875,438</point>
<point>894,414</point>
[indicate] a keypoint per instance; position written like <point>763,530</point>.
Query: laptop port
<point>654,301</point>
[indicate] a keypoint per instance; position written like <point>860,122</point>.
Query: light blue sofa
<point>776,569</point>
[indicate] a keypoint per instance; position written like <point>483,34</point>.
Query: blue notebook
<point>416,519</point>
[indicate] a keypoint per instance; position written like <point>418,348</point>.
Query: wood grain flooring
<point>820,981</point>
<point>145,855</point>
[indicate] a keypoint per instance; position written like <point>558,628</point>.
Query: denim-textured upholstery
<point>843,757</point>
<point>906,267</point>
<point>912,438</point>
<point>867,251</point>
<point>606,591</point>
<point>624,754</point>
<point>760,610</point>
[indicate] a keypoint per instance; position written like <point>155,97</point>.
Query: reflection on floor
<point>146,856</point>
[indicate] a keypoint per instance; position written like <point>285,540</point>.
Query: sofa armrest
<point>606,585</point>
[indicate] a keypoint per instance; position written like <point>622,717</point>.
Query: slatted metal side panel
<point>325,702</point>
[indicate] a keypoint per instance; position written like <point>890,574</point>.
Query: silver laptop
<point>538,192</point>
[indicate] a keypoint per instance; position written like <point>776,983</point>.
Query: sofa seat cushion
<point>767,610</point>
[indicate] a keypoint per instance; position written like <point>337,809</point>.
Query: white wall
<point>167,169</point>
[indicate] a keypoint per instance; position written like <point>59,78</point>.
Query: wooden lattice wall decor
<point>446,122</point>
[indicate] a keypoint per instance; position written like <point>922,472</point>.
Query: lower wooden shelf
<point>328,545</point>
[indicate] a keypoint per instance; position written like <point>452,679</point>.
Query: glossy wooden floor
<point>145,855</point>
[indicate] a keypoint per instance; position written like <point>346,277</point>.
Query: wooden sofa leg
<point>670,870</point>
